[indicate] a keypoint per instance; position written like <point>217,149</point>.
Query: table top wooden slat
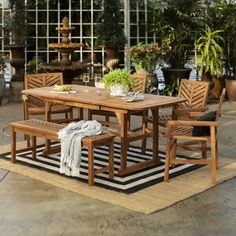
<point>103,98</point>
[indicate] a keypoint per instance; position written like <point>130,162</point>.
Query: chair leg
<point>81,113</point>
<point>13,145</point>
<point>167,162</point>
<point>90,165</point>
<point>71,113</point>
<point>111,160</point>
<point>173,147</point>
<point>34,147</point>
<point>217,161</point>
<point>90,114</point>
<point>204,151</point>
<point>213,156</point>
<point>107,119</point>
<point>144,126</point>
<point>27,137</point>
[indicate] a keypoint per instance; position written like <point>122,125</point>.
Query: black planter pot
<point>173,74</point>
<point>18,61</point>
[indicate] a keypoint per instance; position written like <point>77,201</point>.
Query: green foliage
<point>210,52</point>
<point>109,31</point>
<point>146,55</point>
<point>31,66</point>
<point>118,76</point>
<point>223,16</point>
<point>176,22</point>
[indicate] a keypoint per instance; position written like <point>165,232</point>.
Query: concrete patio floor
<point>30,207</point>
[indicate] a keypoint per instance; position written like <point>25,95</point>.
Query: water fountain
<point>69,68</point>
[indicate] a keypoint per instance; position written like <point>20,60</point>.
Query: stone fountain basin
<point>64,48</point>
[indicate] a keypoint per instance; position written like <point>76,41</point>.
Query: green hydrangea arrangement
<point>118,76</point>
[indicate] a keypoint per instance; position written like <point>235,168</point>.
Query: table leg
<point>123,122</point>
<point>47,118</point>
<point>155,138</point>
<point>47,111</point>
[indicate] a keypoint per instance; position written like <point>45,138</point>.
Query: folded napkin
<point>133,97</point>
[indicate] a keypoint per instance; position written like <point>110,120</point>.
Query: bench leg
<point>13,145</point>
<point>111,159</point>
<point>34,147</point>
<point>90,165</point>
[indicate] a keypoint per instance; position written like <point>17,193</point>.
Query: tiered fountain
<point>70,69</point>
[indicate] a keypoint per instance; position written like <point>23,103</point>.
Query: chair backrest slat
<point>195,92</point>
<point>140,81</point>
<point>43,80</point>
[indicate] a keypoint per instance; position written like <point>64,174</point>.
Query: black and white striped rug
<point>129,183</point>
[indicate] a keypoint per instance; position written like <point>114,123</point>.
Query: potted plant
<point>176,22</point>
<point>210,57</point>
<point>118,81</point>
<point>145,57</point>
<point>223,17</point>
<point>109,31</point>
<point>15,31</point>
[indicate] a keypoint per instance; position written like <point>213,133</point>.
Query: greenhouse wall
<point>44,16</point>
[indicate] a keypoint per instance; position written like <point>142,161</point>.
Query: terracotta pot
<point>111,53</point>
<point>231,89</point>
<point>218,87</point>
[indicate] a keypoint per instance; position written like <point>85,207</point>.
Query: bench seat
<point>48,130</point>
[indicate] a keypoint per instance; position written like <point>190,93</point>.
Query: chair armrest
<point>192,123</point>
<point>25,98</point>
<point>188,110</point>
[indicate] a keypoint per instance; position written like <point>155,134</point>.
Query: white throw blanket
<point>71,137</point>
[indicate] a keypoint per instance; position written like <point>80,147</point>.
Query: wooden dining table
<point>92,98</point>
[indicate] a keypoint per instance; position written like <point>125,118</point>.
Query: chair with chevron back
<point>35,105</point>
<point>140,81</point>
<point>194,135</point>
<point>195,93</point>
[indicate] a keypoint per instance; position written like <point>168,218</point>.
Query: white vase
<point>118,90</point>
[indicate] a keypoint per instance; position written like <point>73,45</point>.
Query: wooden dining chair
<point>195,93</point>
<point>194,135</point>
<point>35,105</point>
<point>140,82</point>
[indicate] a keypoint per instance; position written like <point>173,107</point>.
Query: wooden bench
<point>48,130</point>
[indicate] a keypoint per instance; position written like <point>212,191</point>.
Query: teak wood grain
<point>48,130</point>
<point>103,101</point>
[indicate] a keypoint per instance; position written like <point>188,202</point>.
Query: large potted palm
<point>210,59</point>
<point>175,23</point>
